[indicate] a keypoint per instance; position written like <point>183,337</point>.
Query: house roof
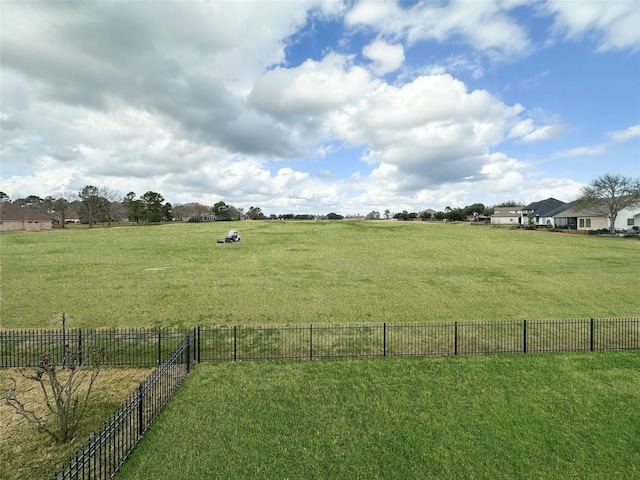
<point>545,208</point>
<point>16,213</point>
<point>573,209</point>
<point>507,211</point>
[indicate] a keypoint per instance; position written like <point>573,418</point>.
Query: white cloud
<point>582,151</point>
<point>527,131</point>
<point>312,89</point>
<point>616,24</point>
<point>386,58</point>
<point>621,136</point>
<point>431,127</point>
<point>485,26</point>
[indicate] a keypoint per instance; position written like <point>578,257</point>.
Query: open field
<point>499,417</point>
<point>27,454</point>
<point>311,272</point>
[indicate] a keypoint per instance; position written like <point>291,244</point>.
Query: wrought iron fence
<point>104,453</point>
<point>452,338</point>
<point>152,346</point>
<point>25,348</point>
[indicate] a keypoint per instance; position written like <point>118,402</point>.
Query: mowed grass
<point>311,272</point>
<point>500,417</point>
<point>26,453</point>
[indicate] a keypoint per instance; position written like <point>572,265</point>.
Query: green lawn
<point>553,416</point>
<point>311,272</point>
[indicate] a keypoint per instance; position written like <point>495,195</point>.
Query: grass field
<point>27,454</point>
<point>553,416</point>
<point>311,272</point>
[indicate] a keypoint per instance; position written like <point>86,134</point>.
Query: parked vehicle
<point>232,236</point>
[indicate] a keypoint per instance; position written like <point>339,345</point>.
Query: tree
<point>334,216</point>
<point>456,215</point>
<point>193,212</point>
<point>510,203</point>
<point>609,194</point>
<point>154,211</point>
<point>373,215</point>
<point>36,204</point>
<point>474,210</point>
<point>134,209</point>
<point>224,212</point>
<point>221,211</point>
<point>255,213</point>
<point>63,205</point>
<point>387,214</point>
<point>404,215</point>
<point>66,388</point>
<point>112,208</point>
<point>166,212</point>
<point>92,205</point>
<point>4,197</point>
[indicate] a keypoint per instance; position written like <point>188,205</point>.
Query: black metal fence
<point>103,454</point>
<point>452,338</point>
<point>150,347</point>
<point>25,348</point>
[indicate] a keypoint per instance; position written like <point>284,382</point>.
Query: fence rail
<point>453,338</point>
<point>25,348</point>
<point>150,347</point>
<point>105,452</point>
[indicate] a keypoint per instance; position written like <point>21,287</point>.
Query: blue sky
<point>317,107</point>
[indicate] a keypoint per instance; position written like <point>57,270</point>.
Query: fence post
<point>64,341</point>
<point>311,342</point>
<point>591,336</point>
<point>140,410</point>
<point>79,346</point>
<point>524,340</point>
<point>198,340</point>
<point>188,351</point>
<point>235,343</point>
<point>384,339</point>
<point>159,346</point>
<point>455,338</point>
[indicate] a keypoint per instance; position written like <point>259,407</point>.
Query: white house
<point>628,218</point>
<point>584,219</point>
<point>507,215</point>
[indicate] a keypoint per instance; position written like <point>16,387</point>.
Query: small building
<point>507,215</point>
<point>14,218</point>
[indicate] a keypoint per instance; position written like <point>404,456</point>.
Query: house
<point>541,213</point>
<point>507,215</point>
<point>428,214</point>
<point>579,218</point>
<point>15,218</point>
<point>628,219</point>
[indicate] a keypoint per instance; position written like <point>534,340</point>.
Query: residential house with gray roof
<point>542,213</point>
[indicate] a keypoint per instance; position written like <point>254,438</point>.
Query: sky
<point>313,107</point>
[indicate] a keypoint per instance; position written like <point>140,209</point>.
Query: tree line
<point>93,205</point>
<point>607,195</point>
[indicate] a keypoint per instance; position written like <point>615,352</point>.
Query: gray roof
<point>546,208</point>
<point>574,209</point>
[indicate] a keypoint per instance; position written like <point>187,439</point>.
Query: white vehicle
<point>232,236</point>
